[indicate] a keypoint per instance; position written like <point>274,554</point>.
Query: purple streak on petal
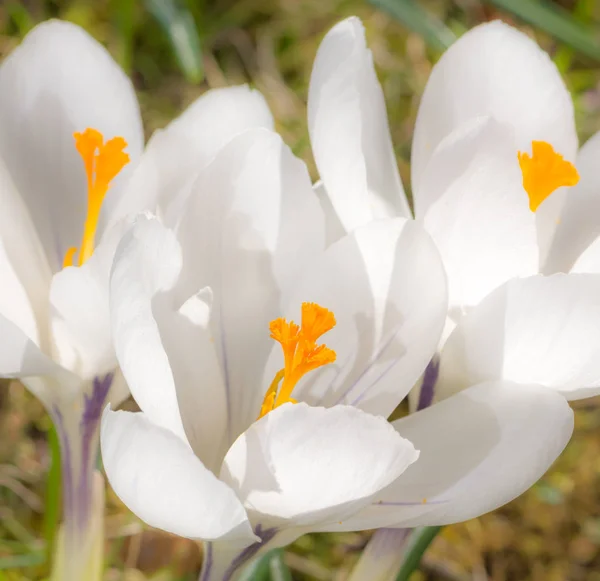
<point>390,503</point>
<point>225,372</point>
<point>374,383</point>
<point>382,349</point>
<point>207,562</point>
<point>249,552</point>
<point>89,425</point>
<point>430,378</point>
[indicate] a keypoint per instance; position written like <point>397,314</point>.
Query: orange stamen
<point>102,162</point>
<point>301,354</point>
<point>544,172</point>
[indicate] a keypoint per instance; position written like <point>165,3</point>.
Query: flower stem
<point>79,547</point>
<point>419,542</point>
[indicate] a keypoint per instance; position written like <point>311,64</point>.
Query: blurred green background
<point>175,51</point>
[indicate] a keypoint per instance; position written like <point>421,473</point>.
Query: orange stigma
<point>544,171</point>
<point>301,353</point>
<point>102,162</point>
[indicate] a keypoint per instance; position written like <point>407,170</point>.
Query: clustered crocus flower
<point>495,185</point>
<point>72,169</point>
<point>266,327</point>
<point>265,362</point>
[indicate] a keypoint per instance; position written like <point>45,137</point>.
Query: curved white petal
<point>334,229</point>
<point>57,82</point>
<point>494,70</point>
<point>308,465</point>
<point>158,477</point>
<point>14,301</point>
<point>189,344</point>
<point>79,300</point>
<point>349,130</point>
<point>147,262</point>
<point>578,226</point>
<point>589,261</point>
<point>542,330</point>
<point>474,206</point>
<point>19,355</point>
<point>478,450</point>
<point>386,287</point>
<point>176,154</point>
<point>251,225</point>
<point>23,265</point>
<point>21,358</point>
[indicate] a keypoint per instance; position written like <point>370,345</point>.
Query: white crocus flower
<point>476,190</point>
<point>203,327</point>
<point>494,144</point>
<point>71,167</point>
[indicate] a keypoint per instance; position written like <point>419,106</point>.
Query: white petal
<point>578,226</point>
<point>478,450</point>
<point>475,208</point>
<point>23,265</point>
<point>147,262</point>
<point>539,330</point>
<point>251,226</point>
<point>158,477</point>
<point>349,130</point>
<point>334,229</point>
<point>494,70</point>
<point>201,395</point>
<point>21,358</point>
<point>79,297</point>
<point>312,465</point>
<point>19,355</point>
<point>589,261</point>
<point>14,302</point>
<point>176,154</point>
<point>58,81</point>
<point>386,287</point>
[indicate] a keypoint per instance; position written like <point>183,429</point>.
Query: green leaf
<point>123,15</point>
<point>269,567</point>
<point>18,561</point>
<point>434,32</point>
<point>20,17</point>
<point>555,21</point>
<point>53,492</point>
<point>279,570</point>
<point>419,540</point>
<point>177,21</point>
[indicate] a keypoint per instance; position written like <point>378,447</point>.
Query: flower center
<point>102,162</point>
<point>544,171</point>
<point>301,353</point>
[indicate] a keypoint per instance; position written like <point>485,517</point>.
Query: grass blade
<point>279,570</point>
<point>123,14</point>
<point>434,32</point>
<point>178,23</point>
<point>22,561</point>
<point>555,21</point>
<point>53,492</point>
<point>417,545</point>
<point>269,567</point>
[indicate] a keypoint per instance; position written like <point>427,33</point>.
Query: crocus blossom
<point>492,163</point>
<point>492,150</point>
<point>265,362</point>
<point>71,169</point>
